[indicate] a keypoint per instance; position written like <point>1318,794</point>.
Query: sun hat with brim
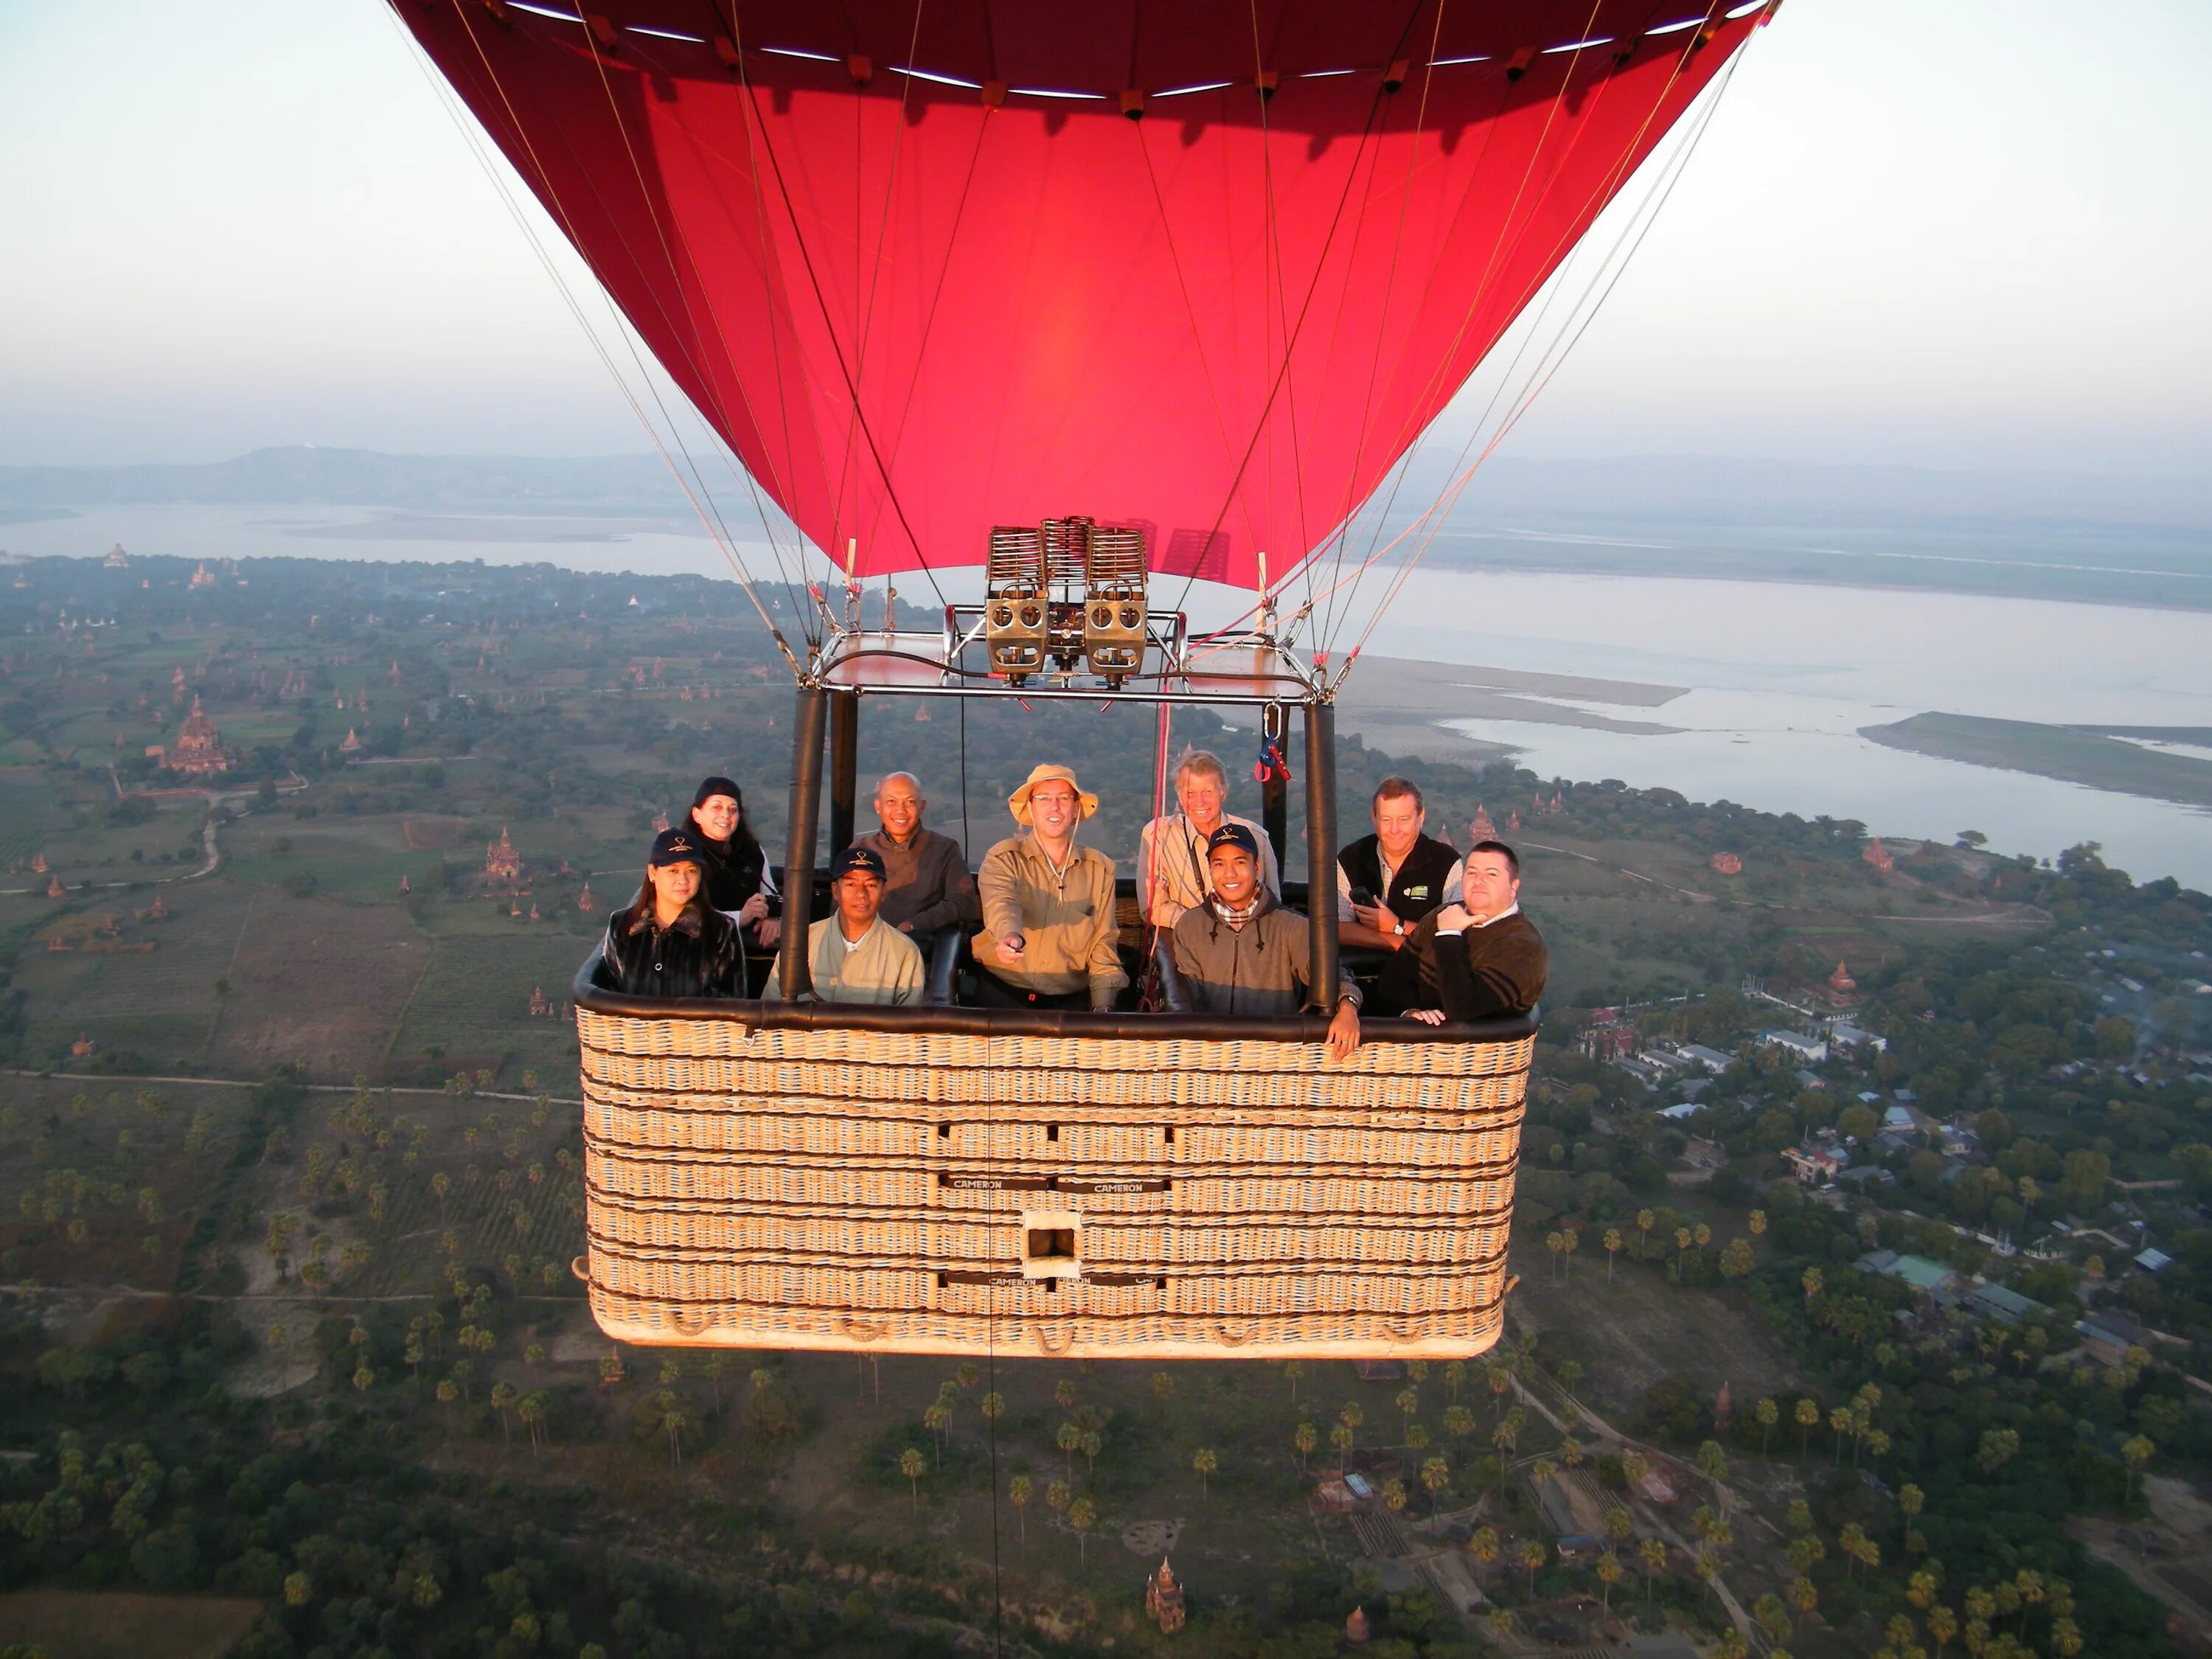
<point>1020,800</point>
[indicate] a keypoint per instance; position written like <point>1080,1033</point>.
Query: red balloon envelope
<point>1204,267</point>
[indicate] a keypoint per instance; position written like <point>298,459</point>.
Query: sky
<point>1972,234</point>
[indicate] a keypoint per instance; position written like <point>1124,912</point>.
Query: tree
<point>1204,1461</point>
<point>1618,1524</point>
<point>1768,1413</point>
<point>1804,1597</point>
<point>911,1464</point>
<point>1813,1282</point>
<point>1681,1249</point>
<point>1612,1243</point>
<point>1093,1443</point>
<point>503,1399</point>
<point>1083,1514</point>
<point>531,1409</point>
<point>1394,1494</point>
<point>1644,1219</point>
<point>1997,1448</point>
<point>993,1406</point>
<point>1351,1416</point>
<point>1017,1494</point>
<point>1064,1392</point>
<point>1542,1470</point>
<point>2136,1451</point>
<point>1712,1461</point>
<point>1608,1575</point>
<point>1568,1372</point>
<point>673,1422</point>
<point>1808,1418</point>
<point>1304,1438</point>
<point>1651,1554</point>
<point>1943,1624</point>
<point>1840,1421</point>
<point>1162,1386</point>
<point>1069,1440</point>
<point>1340,1437</point>
<point>1534,1553</point>
<point>1407,1402</point>
<point>1771,1617</point>
<point>1570,1241</point>
<point>1483,1545</point>
<point>934,1417</point>
<point>1455,1372</point>
<point>1436,1478</point>
<point>1555,1242</point>
<point>1293,1369</point>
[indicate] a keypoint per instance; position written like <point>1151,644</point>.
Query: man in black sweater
<point>1478,957</point>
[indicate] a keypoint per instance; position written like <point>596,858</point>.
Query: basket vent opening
<point>1051,1244</point>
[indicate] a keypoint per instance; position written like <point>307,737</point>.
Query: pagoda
<point>1878,855</point>
<point>117,558</point>
<point>202,577</point>
<point>1724,1407</point>
<point>199,750</point>
<point>1164,1600</point>
<point>502,864</point>
<point>352,743</point>
<point>584,902</point>
<point>1727,864</point>
<point>538,1006</point>
<point>54,887</point>
<point>1355,1628</point>
<point>405,886</point>
<point>1482,828</point>
<point>660,823</point>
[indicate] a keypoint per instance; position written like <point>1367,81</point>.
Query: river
<point>1778,677</point>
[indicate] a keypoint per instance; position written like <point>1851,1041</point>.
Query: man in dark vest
<point>1478,957</point>
<point>1386,883</point>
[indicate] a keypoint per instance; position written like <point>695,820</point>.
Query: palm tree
<point>1069,1440</point>
<point>503,1399</point>
<point>1351,1416</point>
<point>1608,1575</point>
<point>531,1408</point>
<point>911,1464</point>
<point>1017,1494</point>
<point>934,1419</point>
<point>1162,1386</point>
<point>1064,1392</point>
<point>1805,1596</point>
<point>1543,1471</point>
<point>1455,1374</point>
<point>1499,1379</point>
<point>1569,1241</point>
<point>967,1375</point>
<point>1644,1219</point>
<point>1555,1242</point>
<point>1407,1402</point>
<point>1651,1554</point>
<point>1093,1443</point>
<point>1483,1546</point>
<point>1056,1497</point>
<point>1681,1249</point>
<point>2136,1451</point>
<point>993,1406</point>
<point>1436,1478</point>
<point>1840,1421</point>
<point>1704,1235</point>
<point>1612,1243</point>
<point>673,1424</point>
<point>1203,1461</point>
<point>1394,1494</point>
<point>1768,1414</point>
<point>1568,1372</point>
<point>1944,1625</point>
<point>1812,1281</point>
<point>1304,1438</point>
<point>1083,1514</point>
<point>1339,1437</point>
<point>1534,1554</point>
<point>1570,1452</point>
<point>1294,1369</point>
<point>1808,1418</point>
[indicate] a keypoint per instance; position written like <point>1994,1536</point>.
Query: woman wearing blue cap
<point>670,942</point>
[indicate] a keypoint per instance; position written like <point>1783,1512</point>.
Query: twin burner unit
<point>1071,590</point>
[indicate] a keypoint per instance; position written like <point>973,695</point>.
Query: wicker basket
<point>757,1180</point>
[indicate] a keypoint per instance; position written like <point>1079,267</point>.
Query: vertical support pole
<point>1276,792</point>
<point>793,971</point>
<point>1320,850</point>
<point>844,766</point>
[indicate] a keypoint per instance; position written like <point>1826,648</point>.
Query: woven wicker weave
<point>828,1188</point>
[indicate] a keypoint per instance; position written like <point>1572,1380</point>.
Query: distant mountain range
<point>1687,488</point>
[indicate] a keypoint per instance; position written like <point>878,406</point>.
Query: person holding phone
<point>1388,881</point>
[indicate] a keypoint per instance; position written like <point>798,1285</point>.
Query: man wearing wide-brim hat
<point>1048,931</point>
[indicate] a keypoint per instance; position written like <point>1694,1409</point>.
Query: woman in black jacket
<point>670,942</point>
<point>737,878</point>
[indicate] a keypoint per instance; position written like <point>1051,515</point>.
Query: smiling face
<point>899,807</point>
<point>1202,792</point>
<point>716,816</point>
<point>674,885</point>
<point>1236,875</point>
<point>1398,821</point>
<point>859,895</point>
<point>1487,884</point>
<point>1052,808</point>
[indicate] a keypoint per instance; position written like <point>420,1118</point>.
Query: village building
<point>1727,864</point>
<point>1799,1045</point>
<point>199,750</point>
<point>1164,1603</point>
<point>1813,1165</point>
<point>81,1049</point>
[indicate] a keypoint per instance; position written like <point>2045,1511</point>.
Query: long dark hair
<point>744,861</point>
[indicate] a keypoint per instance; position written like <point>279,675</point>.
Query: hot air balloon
<point>1102,299</point>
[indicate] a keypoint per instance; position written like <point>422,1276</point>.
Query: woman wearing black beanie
<point>737,879</point>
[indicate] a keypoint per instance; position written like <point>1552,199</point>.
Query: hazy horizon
<point>1966,238</point>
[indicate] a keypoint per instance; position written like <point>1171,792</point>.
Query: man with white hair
<point>1172,871</point>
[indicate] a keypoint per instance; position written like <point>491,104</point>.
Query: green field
<point>2063,752</point>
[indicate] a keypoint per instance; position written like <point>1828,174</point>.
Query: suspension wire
<point>662,232</point>
<point>621,324</point>
<point>1483,288</point>
<point>865,308</point>
<point>1382,323</point>
<point>716,531</point>
<point>1555,357</point>
<point>845,368</point>
<point>1290,344</point>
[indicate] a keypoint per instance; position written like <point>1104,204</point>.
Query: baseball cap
<point>857,857</point>
<point>1232,835</point>
<point>676,847</point>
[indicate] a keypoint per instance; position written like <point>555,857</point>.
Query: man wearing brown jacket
<point>1049,932</point>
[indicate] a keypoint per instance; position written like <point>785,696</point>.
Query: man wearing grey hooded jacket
<point>1243,956</point>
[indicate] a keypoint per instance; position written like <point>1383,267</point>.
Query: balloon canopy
<point>1202,267</point>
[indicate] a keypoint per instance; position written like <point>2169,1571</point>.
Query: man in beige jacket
<point>1049,930</point>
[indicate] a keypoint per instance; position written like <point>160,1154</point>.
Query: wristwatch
<point>1399,928</point>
